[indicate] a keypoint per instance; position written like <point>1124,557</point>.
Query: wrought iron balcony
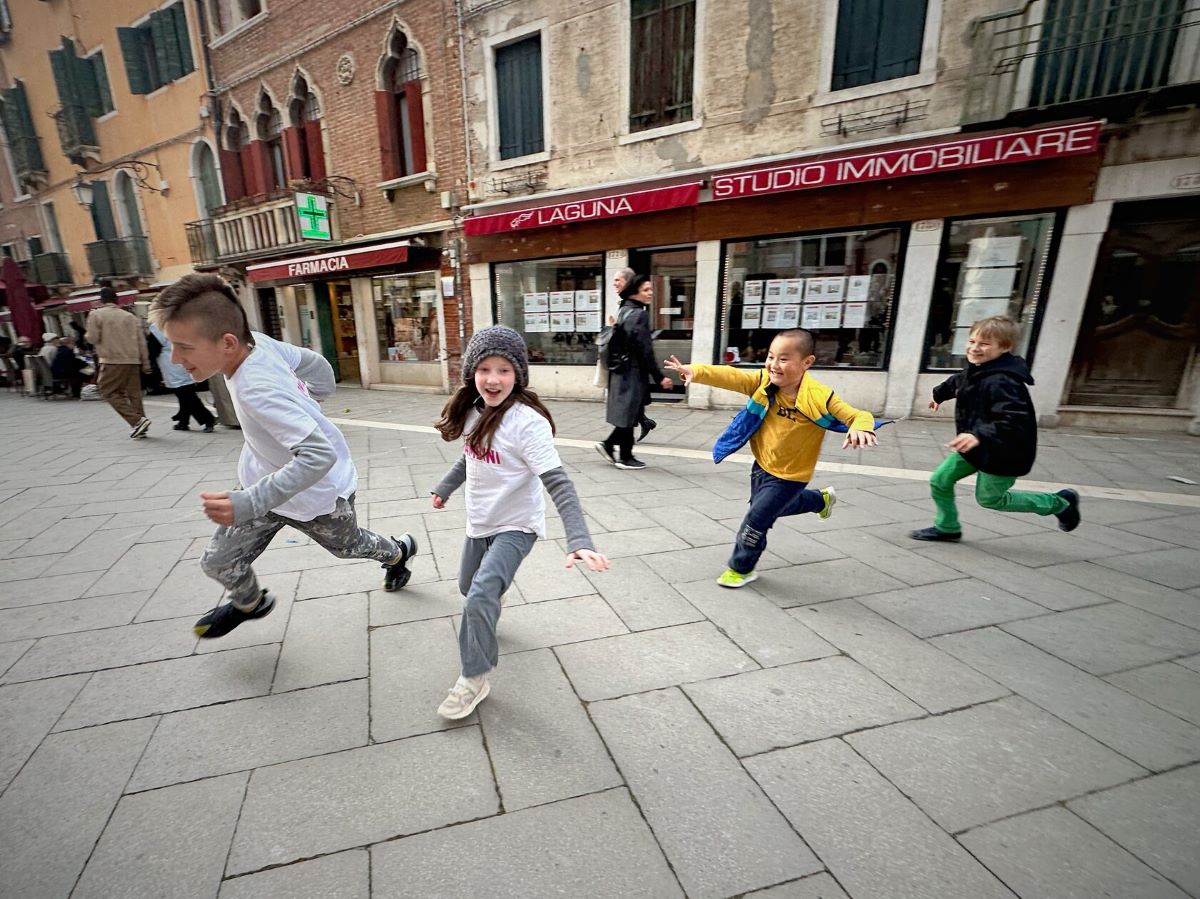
<point>77,134</point>
<point>121,257</point>
<point>50,269</point>
<point>251,229</point>
<point>1051,53</point>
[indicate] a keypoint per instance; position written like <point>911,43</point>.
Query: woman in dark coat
<point>629,382</point>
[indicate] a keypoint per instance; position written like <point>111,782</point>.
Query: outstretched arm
<point>451,481</point>
<point>579,540</point>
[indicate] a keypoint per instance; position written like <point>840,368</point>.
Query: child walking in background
<point>295,467</point>
<point>791,411</point>
<point>997,435</point>
<point>508,456</point>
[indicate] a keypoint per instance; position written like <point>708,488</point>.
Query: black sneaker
<point>935,535</point>
<point>1068,518</point>
<point>630,464</point>
<point>648,425</point>
<point>180,427</point>
<point>226,617</point>
<point>209,428</point>
<point>606,453</point>
<point>397,572</point>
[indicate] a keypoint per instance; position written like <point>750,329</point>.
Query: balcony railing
<point>50,269</point>
<point>245,231</point>
<point>77,134</point>
<point>121,257</point>
<point>1051,53</point>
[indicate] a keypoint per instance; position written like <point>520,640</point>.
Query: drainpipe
<point>458,245</point>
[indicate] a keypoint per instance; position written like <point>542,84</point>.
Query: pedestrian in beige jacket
<point>121,351</point>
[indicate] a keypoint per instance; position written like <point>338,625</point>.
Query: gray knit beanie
<point>496,341</point>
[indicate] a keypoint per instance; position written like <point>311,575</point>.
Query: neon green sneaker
<point>735,579</point>
<point>830,498</point>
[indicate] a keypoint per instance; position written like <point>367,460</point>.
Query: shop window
<point>557,304</point>
<point>406,317</point>
<point>662,50</point>
<point>400,111</point>
<point>877,40</point>
<point>672,315</point>
<point>158,51</point>
<point>995,266</point>
<point>226,15</point>
<point>842,286</point>
<point>519,120</point>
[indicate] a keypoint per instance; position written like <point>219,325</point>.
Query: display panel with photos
<point>840,285</point>
<point>406,317</point>
<point>993,266</point>
<point>557,304</point>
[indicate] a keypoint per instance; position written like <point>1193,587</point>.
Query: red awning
<point>333,263</point>
<point>585,210</point>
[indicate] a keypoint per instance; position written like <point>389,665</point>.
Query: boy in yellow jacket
<point>787,443</point>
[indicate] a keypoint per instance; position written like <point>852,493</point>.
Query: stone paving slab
<point>27,713</point>
<point>818,886</point>
<point>48,619</point>
<point>720,833</point>
<point>650,660</point>
<point>977,765</point>
<point>332,802</point>
<point>540,739</point>
<point>416,602</point>
<point>168,842</point>
<point>108,648</point>
<point>172,685</point>
<point>1051,854</point>
<point>59,587</point>
<point>537,625</point>
<point>343,875</point>
<point>596,846</point>
<point>1172,687</point>
<point>326,642</point>
<point>412,667</point>
<point>55,810</point>
<point>1105,639</point>
<point>1177,568</point>
<point>1146,595</point>
<point>763,710</point>
<point>10,652</point>
<point>250,733</point>
<point>950,606</point>
<point>931,678</point>
<point>1156,819</point>
<point>1136,729</point>
<point>640,598</point>
<point>876,842</point>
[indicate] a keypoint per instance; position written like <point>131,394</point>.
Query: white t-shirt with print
<point>504,492</point>
<point>277,413</point>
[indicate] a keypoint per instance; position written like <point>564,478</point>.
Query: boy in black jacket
<point>997,435</point>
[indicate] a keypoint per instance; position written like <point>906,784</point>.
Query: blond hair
<point>1000,328</point>
<point>205,299</point>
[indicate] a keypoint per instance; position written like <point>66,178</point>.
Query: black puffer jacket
<point>994,405</point>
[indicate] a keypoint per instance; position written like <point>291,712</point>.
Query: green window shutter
<point>12,131</point>
<point>33,149</point>
<point>183,39</point>
<point>133,49</point>
<point>519,98</point>
<point>100,77</point>
<point>162,40</point>
<point>854,46</point>
<point>102,214</point>
<point>901,34</point>
<point>64,77</point>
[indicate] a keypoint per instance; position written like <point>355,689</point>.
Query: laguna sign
<point>570,212</point>
<point>923,159</point>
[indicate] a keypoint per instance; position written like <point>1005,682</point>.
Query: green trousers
<point>991,491</point>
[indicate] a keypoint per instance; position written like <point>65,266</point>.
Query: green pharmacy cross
<point>313,212</point>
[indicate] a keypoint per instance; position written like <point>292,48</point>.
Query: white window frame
<point>50,226</point>
<point>240,28</point>
<point>540,27</point>
<point>924,76</point>
<point>625,136</point>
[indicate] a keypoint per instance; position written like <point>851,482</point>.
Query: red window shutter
<point>249,171</point>
<point>316,150</point>
<point>260,160</point>
<point>293,156</point>
<point>389,139</point>
<point>416,125</point>
<point>231,175</point>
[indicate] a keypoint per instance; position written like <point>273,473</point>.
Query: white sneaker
<point>140,429</point>
<point>464,696</point>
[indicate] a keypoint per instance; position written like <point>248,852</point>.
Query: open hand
<point>963,443</point>
<point>593,560</point>
<point>859,439</point>
<point>219,508</point>
<point>685,371</point>
<point>438,502</point>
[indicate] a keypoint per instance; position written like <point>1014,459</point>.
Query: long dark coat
<point>629,390</point>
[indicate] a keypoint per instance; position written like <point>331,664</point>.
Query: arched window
<point>302,140</point>
<point>270,132</point>
<point>399,110</point>
<point>235,157</point>
<point>208,185</point>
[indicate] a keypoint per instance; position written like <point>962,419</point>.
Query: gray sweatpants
<point>489,565</point>
<point>231,552</point>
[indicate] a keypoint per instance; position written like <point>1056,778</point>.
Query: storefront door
<point>345,331</point>
<point>673,312</point>
<point>1139,335</point>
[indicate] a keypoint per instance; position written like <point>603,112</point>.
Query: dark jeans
<point>621,439</point>
<point>191,406</point>
<point>771,498</point>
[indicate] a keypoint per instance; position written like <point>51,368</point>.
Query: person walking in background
<point>179,382</point>
<point>632,364</point>
<point>121,350</point>
<point>226,414</point>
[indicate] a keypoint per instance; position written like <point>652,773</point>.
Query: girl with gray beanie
<point>508,457</point>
